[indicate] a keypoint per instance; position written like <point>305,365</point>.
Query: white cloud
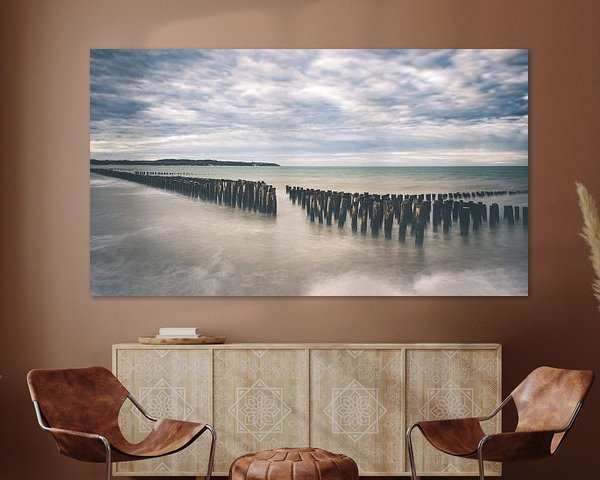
<point>311,105</point>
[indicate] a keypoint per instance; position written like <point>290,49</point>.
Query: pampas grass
<point>591,232</point>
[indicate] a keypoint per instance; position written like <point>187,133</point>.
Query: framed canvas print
<point>308,172</point>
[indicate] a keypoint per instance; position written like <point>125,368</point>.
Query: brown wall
<point>48,316</point>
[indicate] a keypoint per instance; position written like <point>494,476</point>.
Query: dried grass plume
<point>591,232</point>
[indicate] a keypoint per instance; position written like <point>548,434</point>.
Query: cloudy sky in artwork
<point>311,107</point>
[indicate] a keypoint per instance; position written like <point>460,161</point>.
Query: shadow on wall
<point>300,24</point>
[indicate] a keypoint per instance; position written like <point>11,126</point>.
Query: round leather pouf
<point>294,464</point>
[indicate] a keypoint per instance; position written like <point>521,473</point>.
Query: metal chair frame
<point>482,442</point>
<point>211,459</point>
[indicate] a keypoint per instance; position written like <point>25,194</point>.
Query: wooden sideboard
<point>355,399</point>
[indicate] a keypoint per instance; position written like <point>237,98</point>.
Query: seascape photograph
<point>218,172</point>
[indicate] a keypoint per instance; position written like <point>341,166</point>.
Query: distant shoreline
<point>184,162</point>
<point>171,162</point>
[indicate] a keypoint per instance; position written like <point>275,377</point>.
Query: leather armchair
<point>547,402</point>
<point>80,408</point>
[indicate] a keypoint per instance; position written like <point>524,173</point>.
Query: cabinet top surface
<point>412,346</point>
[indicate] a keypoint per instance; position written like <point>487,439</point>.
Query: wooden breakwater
<point>413,213</point>
<point>243,194</point>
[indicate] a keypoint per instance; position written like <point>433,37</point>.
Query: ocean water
<point>147,242</point>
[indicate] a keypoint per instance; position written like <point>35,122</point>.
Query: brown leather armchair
<point>547,402</point>
<point>80,408</point>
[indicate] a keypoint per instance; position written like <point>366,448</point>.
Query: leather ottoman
<point>294,464</point>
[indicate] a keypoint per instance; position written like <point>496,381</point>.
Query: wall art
<point>310,172</point>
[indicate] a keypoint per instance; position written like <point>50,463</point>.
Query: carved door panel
<point>260,399</point>
<point>451,384</point>
<point>357,406</point>
<point>169,383</point>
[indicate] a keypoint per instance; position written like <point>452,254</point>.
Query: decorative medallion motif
<point>169,383</point>
<point>355,410</point>
<point>449,401</point>
<point>259,410</point>
<point>165,401</point>
<point>450,383</point>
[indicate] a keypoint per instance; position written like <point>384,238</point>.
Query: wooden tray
<point>181,341</point>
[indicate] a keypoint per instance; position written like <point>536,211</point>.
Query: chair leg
<point>108,458</point>
<point>481,465</point>
<point>482,442</point>
<point>211,457</point>
<point>411,454</point>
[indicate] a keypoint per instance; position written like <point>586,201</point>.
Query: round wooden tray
<point>181,341</point>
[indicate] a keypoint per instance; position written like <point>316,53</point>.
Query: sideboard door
<point>357,407</point>
<point>169,383</point>
<point>261,401</point>
<point>443,384</point>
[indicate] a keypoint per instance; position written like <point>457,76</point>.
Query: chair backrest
<point>548,397</point>
<point>81,399</point>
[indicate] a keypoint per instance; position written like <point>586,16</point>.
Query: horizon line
<point>250,164</point>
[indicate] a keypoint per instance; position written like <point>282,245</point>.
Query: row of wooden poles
<point>243,194</point>
<point>414,211</point>
<point>170,174</point>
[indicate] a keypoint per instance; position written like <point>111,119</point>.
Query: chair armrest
<point>498,409</point>
<point>87,447</point>
<point>515,446</point>
<point>139,406</point>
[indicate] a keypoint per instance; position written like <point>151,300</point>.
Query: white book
<point>176,336</point>
<point>179,331</point>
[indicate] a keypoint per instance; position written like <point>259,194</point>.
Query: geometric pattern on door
<point>259,410</point>
<point>356,406</point>
<point>168,383</point>
<point>260,401</point>
<point>451,384</point>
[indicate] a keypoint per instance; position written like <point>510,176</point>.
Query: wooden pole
<point>494,214</point>
<point>419,222</point>
<point>509,214</point>
<point>465,218</point>
<point>388,218</point>
<point>405,218</point>
<point>447,215</point>
<point>354,212</point>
